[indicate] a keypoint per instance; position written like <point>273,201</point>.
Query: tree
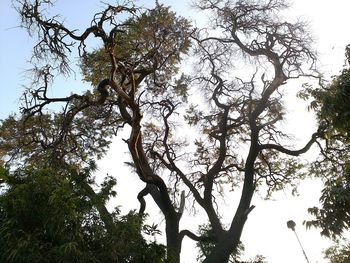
<point>44,217</point>
<point>332,106</point>
<point>331,103</point>
<point>238,138</point>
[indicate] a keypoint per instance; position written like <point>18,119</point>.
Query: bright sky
<point>265,232</point>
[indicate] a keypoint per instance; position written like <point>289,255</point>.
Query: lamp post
<point>291,225</point>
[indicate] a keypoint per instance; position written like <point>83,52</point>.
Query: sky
<point>265,231</point>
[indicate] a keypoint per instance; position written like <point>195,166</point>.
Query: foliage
<point>149,44</point>
<point>331,104</point>
<point>338,253</point>
<point>47,218</point>
<point>333,217</point>
<point>22,139</point>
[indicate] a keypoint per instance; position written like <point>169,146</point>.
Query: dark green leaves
<point>44,217</point>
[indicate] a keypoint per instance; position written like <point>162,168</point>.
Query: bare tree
<point>248,112</point>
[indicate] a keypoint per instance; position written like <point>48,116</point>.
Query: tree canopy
<point>46,216</point>
<point>139,85</point>
<point>331,104</point>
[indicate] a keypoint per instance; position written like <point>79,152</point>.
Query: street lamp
<point>291,225</point>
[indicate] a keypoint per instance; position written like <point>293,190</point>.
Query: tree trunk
<point>172,220</point>
<point>173,239</point>
<point>229,243</point>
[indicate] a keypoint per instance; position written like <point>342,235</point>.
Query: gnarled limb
<point>284,150</point>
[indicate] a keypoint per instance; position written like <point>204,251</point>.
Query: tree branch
<point>193,236</point>
<point>292,152</point>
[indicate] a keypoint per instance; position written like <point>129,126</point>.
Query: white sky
<point>265,231</point>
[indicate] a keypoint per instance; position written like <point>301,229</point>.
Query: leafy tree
<point>44,217</point>
<point>331,104</point>
<point>237,136</point>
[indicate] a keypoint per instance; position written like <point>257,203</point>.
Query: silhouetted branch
<point>284,150</point>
